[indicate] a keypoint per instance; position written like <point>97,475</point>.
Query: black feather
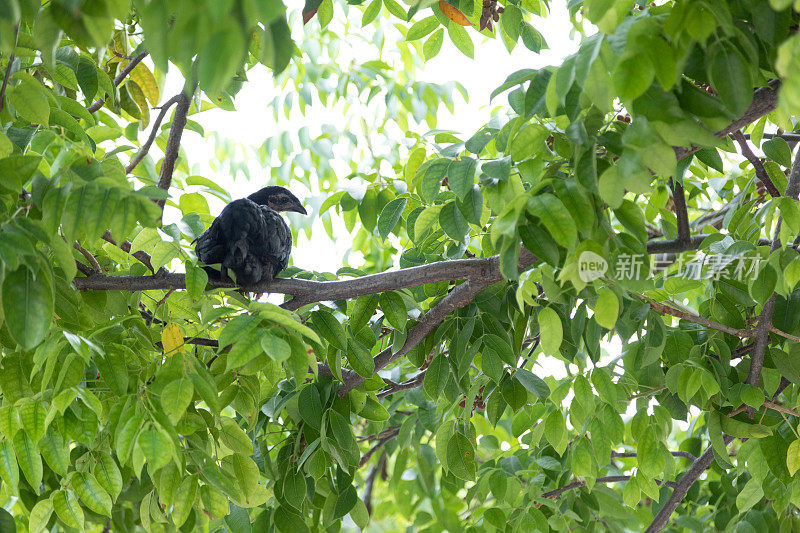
<point>249,239</point>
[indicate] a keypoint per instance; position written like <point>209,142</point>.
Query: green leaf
<point>92,493</point>
<point>196,280</point>
<point>294,488</point>
<point>731,76</point>
<point>461,457</point>
<point>68,509</point>
<point>27,305</point>
<point>176,397</point>
<point>550,331</point>
<point>436,377</point>
<point>433,44</point>
<point>329,328</point>
<point>40,515</point>
<point>363,309</point>
<point>555,431</point>
<point>390,216</point>
<point>214,69</point>
<point>30,461</point>
<point>751,494</point>
<point>421,28</point>
<point>462,40</point>
<point>556,219</point>
<point>359,358</point>
<point>234,437</point>
<point>394,308</point>
<point>533,383</point>
<point>155,446</point>
<point>372,12</point>
<point>29,99</point>
<point>374,410</point>
<point>793,457</point>
<point>606,309</point>
<point>185,496</point>
<point>432,179</point>
<point>461,176</point>
<point>310,406</point>
<point>345,501</point>
<point>9,470</point>
<point>453,222</point>
<point>778,150</point>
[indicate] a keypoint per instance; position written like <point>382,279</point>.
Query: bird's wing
<point>276,240</point>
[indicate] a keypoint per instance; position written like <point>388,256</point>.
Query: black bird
<point>250,238</point>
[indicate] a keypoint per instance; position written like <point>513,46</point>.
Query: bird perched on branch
<point>250,238</point>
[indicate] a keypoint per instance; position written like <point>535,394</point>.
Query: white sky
<point>253,121</point>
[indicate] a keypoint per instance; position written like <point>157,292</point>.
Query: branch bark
<point>7,75</point>
<point>758,165</point>
<point>173,144</point>
<point>603,479</point>
<point>118,79</point>
<point>765,100</point>
<point>765,318</point>
<point>149,142</point>
<point>681,213</point>
<point>682,487</point>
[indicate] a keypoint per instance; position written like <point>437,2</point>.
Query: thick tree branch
<point>153,133</point>
<point>118,79</point>
<point>765,100</point>
<point>758,165</point>
<point>682,487</point>
<point>173,144</point>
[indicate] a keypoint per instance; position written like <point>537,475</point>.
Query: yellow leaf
<point>147,82</point>
<point>172,339</point>
<point>454,14</point>
<point>138,96</point>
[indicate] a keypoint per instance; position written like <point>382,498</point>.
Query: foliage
<point>137,398</point>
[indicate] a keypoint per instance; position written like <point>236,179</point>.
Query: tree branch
<point>668,310</point>
<point>604,479</point>
<point>385,437</point>
<point>625,455</point>
<point>89,257</point>
<point>118,79</point>
<point>765,318</point>
<point>142,256</point>
<point>7,75</point>
<point>173,144</point>
<point>370,482</point>
<point>765,100</point>
<point>682,487</point>
<point>681,213</point>
<point>153,133</point>
<point>761,172</point>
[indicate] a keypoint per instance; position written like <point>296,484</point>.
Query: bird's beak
<point>299,209</point>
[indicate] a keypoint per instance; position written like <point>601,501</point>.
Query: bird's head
<point>278,198</point>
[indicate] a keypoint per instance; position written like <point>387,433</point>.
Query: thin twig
<point>153,133</point>
<point>381,442</point>
<point>624,455</point>
<point>142,256</point>
<point>669,310</point>
<point>118,79</point>
<point>758,165</point>
<point>89,257</point>
<point>603,479</point>
<point>7,75</point>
